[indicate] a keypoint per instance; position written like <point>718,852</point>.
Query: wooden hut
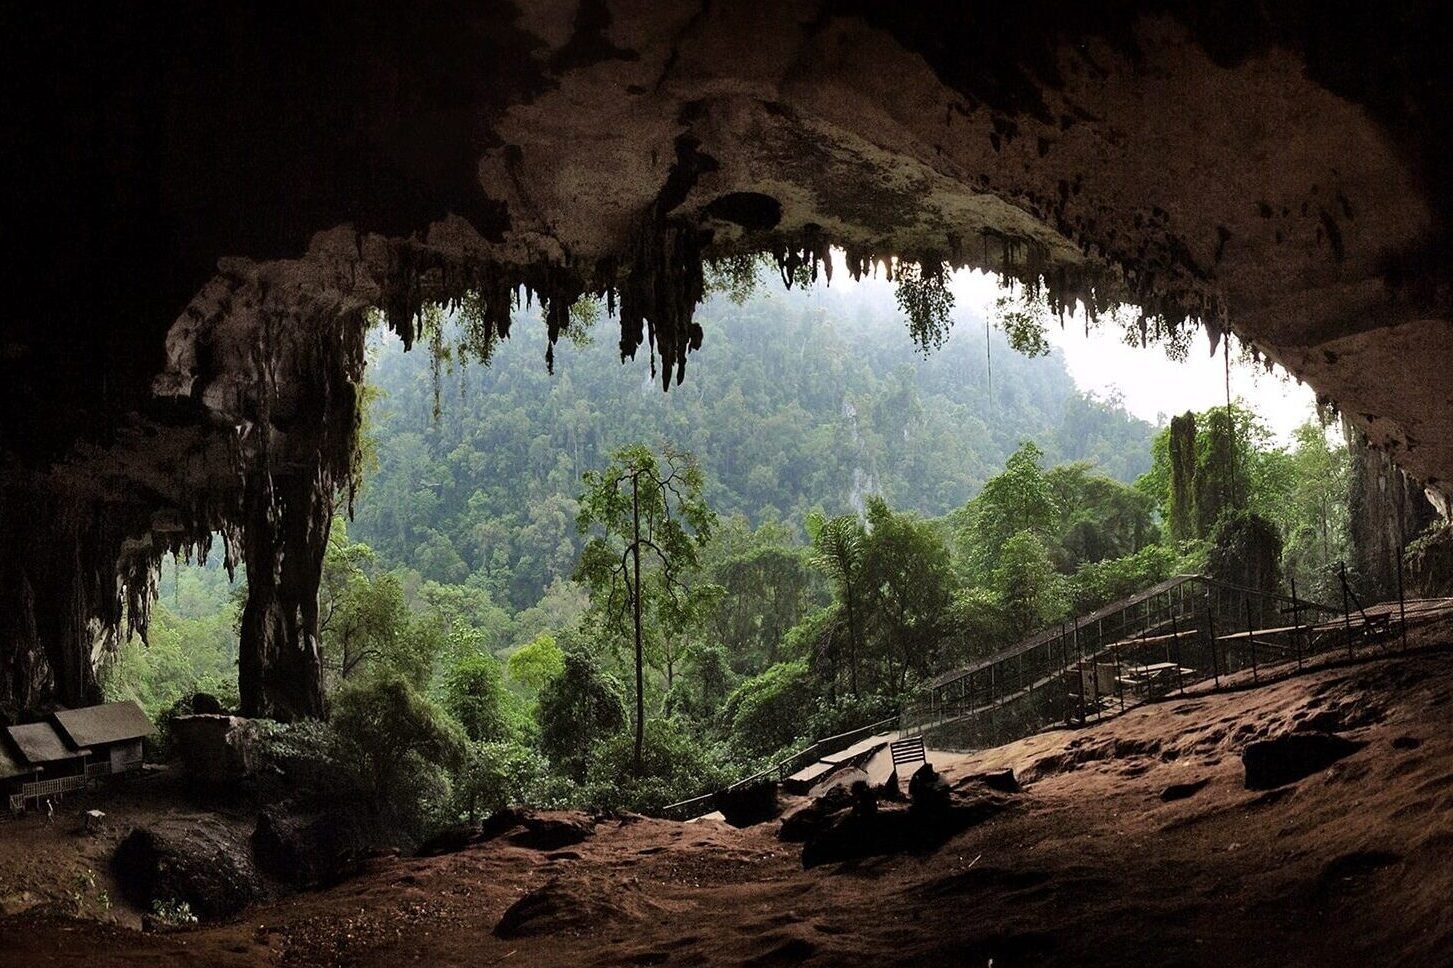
<point>111,733</point>
<point>57,767</point>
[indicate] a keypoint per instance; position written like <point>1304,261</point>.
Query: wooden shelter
<point>72,747</point>
<point>111,733</point>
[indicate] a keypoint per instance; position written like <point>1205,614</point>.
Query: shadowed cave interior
<point>207,211</point>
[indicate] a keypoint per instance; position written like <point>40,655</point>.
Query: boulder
<point>206,704</point>
<point>215,750</point>
<point>927,789</point>
<point>551,831</point>
<point>191,859</point>
<point>450,840</point>
<point>304,850</point>
<point>1002,781</point>
<point>895,829</point>
<point>842,780</point>
<point>1292,757</point>
<point>502,821</point>
<point>749,804</point>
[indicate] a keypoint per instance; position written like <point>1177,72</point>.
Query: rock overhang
<point>229,195</point>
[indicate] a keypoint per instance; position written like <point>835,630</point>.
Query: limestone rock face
<point>195,261</point>
<point>216,750</point>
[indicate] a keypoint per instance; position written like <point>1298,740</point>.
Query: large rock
<point>805,820</point>
<point>215,750</point>
<point>551,831</point>
<point>1287,759</point>
<point>307,849</point>
<point>895,829</point>
<point>548,830</point>
<point>193,859</point>
<point>928,790</point>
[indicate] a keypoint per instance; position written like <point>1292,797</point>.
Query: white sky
<point>1153,387</point>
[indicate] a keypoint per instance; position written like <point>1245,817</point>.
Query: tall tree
<point>646,513</point>
<point>837,548</point>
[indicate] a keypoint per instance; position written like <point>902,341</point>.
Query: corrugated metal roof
<point>9,765</point>
<point>113,722</point>
<point>40,743</point>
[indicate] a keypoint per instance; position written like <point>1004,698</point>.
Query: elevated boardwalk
<point>1181,632</point>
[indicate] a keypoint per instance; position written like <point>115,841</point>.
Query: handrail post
<point>1402,602</point>
<point>1251,638</point>
<point>1211,631</point>
<point>1296,623</point>
<point>1175,643</point>
<point>1346,607</point>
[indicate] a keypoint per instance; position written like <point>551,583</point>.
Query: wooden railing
<point>47,788</point>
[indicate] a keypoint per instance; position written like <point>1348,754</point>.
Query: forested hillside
<point>573,588</point>
<point>796,400</point>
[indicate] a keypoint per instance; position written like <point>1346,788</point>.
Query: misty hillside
<point>796,399</point>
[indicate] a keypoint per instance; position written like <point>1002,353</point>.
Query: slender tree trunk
<point>852,643</point>
<point>638,762</point>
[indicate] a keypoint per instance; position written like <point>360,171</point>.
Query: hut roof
<point>114,722</point>
<point>40,743</point>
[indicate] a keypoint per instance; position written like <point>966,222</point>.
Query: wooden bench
<point>908,750</point>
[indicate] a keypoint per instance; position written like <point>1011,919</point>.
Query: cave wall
<point>203,204</point>
<point>1388,510</point>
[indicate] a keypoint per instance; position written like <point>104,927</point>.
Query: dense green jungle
<point>561,586</point>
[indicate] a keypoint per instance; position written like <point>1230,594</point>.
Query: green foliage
<point>802,397</point>
<point>766,711</point>
<point>173,913</point>
<point>399,747</point>
<point>537,662</point>
<point>191,645</point>
<point>1020,499</point>
<point>675,766</point>
<point>909,576</point>
<point>1027,584</point>
<point>1098,583</point>
<point>650,522</point>
<point>501,774</point>
<point>1235,467</point>
<point>1316,521</point>
<point>1021,315</point>
<point>475,695</point>
<point>577,709</point>
<point>924,297</point>
<point>734,276</point>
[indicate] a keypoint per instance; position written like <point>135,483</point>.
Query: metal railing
<point>1162,638</point>
<point>779,771</point>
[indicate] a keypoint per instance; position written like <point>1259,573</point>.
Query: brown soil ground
<point>1350,866</point>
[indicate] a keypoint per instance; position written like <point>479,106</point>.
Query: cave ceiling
<point>201,205</point>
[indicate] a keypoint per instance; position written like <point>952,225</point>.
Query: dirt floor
<point>1091,866</point>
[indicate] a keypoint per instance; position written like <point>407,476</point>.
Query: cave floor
<point>1350,866</point>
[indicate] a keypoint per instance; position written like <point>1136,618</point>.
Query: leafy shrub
<point>1102,582</point>
<point>766,711</point>
<point>173,914</point>
<point>849,712</point>
<point>399,746</point>
<point>537,662</point>
<point>499,774</point>
<point>474,692</point>
<point>676,766</point>
<point>577,709</point>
